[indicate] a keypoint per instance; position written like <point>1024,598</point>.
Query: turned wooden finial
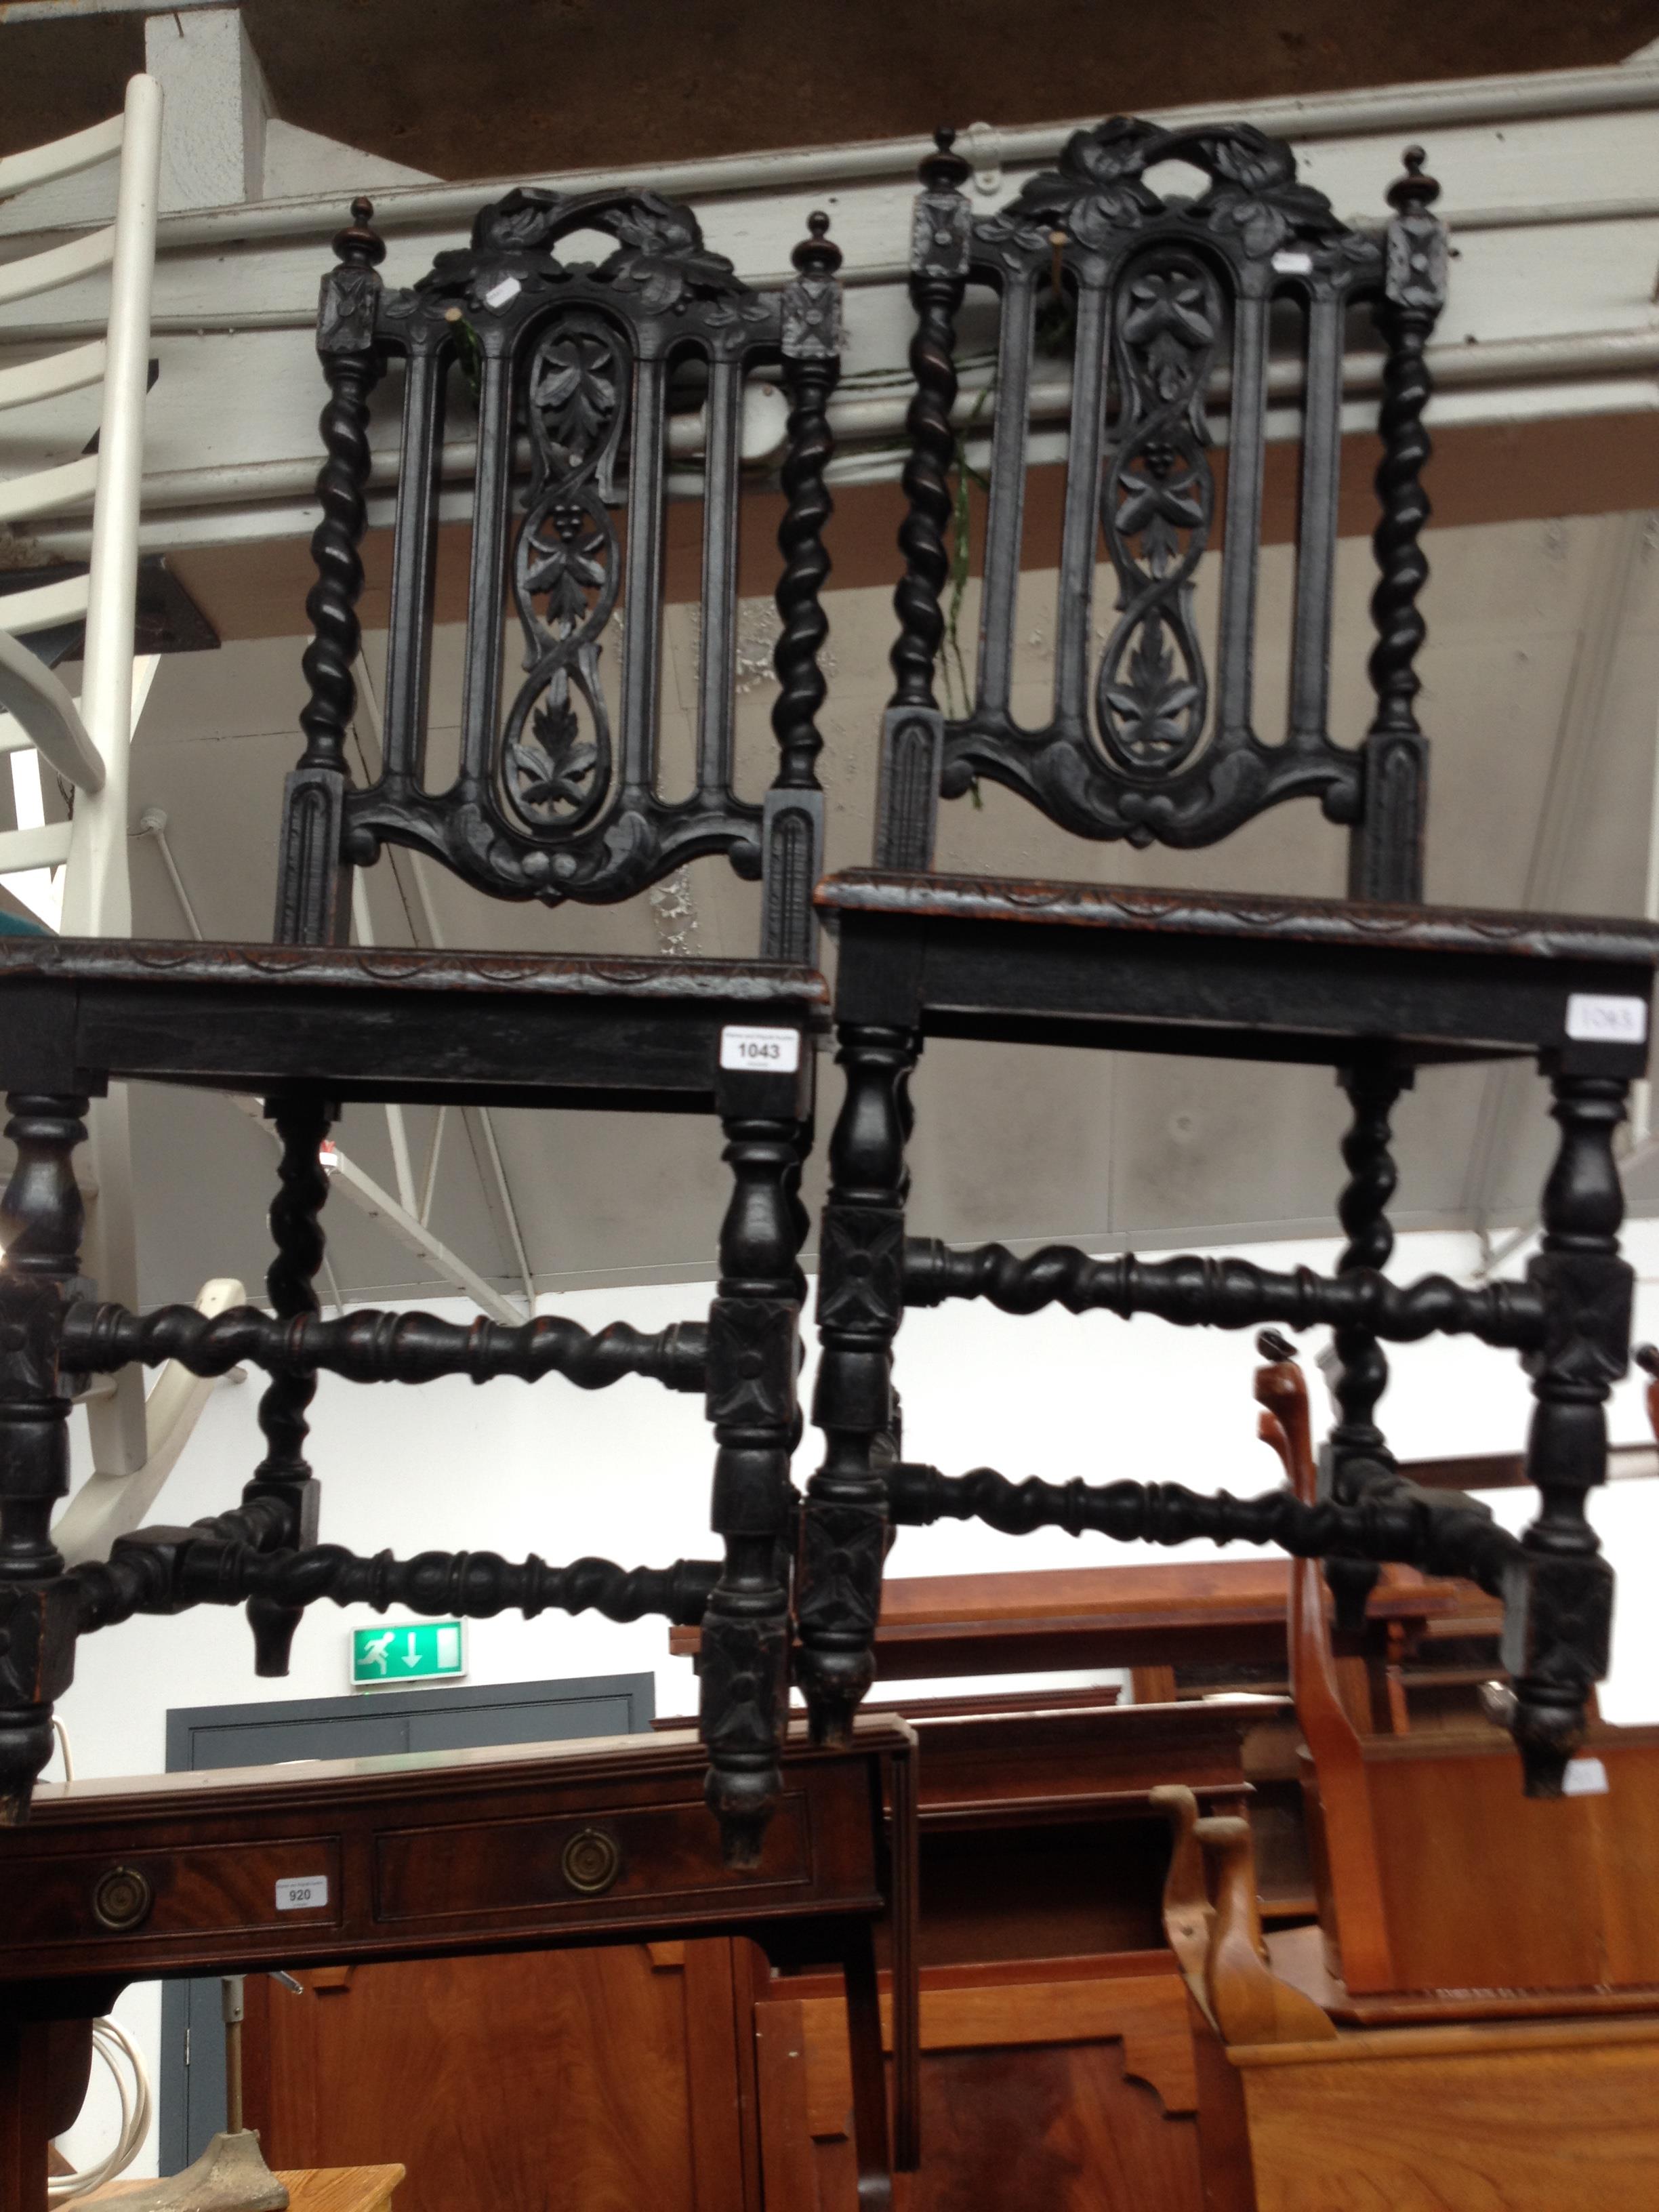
<point>360,244</point>
<point>1415,192</point>
<point>944,170</point>
<point>818,254</point>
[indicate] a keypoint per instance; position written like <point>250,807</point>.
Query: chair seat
<point>1236,973</point>
<point>367,1023</point>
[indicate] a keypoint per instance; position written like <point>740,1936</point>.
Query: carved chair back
<point>1170,299</point>
<point>556,794</point>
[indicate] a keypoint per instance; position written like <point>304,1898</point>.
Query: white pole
<point>99,887</point>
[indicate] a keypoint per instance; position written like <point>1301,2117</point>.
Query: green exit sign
<point>408,1653</point>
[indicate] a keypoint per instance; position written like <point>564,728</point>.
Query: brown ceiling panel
<point>490,87</point>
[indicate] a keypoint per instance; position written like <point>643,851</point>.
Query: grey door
<point>454,1719</point>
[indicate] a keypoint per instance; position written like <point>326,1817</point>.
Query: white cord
<point>108,2037</point>
<point>61,1734</point>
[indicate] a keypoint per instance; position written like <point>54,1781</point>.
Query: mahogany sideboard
<point>512,1849</point>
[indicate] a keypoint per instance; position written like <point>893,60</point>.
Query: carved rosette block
<point>860,1303</point>
<point>791,839</point>
<point>41,1218</point>
<point>754,1352</point>
<point>941,239</point>
<point>312,893</point>
<point>1559,1617</point>
<point>1386,858</point>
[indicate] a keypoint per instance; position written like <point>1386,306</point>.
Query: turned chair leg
<point>860,1302</point>
<point>1558,1625</point>
<point>41,1216</point>
<point>754,1352</point>
<point>284,1473</point>
<point>1358,1449</point>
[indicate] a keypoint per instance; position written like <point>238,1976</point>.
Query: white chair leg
<point>109,1505</point>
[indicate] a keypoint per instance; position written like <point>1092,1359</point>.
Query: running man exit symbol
<point>432,1649</point>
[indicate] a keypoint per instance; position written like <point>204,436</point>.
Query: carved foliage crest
<point>1099,197</point>
<point>660,261</point>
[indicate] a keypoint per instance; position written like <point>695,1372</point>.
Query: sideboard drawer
<point>626,1854</point>
<point>199,1889</point>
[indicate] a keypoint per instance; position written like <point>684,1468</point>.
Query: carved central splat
<point>1157,502</point>
<point>556,769</point>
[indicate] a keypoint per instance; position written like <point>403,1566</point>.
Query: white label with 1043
<point>765,1052</point>
<point>1600,1017</point>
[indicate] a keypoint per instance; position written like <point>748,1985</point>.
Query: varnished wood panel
<point>515,1866</point>
<point>1524,2120</point>
<point>1071,2093</point>
<point>821,1865</point>
<point>1485,1889</point>
<point>601,2080</point>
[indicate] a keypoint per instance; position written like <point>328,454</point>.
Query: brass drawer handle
<point>591,1860</point>
<point>121,1899</point>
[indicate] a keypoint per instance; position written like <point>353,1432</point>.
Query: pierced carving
<point>556,749</point>
<point>1099,198</point>
<point>1151,694</point>
<point>1163,287</point>
<point>556,797</point>
<point>660,258</point>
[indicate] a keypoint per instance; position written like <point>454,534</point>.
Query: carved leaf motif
<point>1170,323</point>
<point>1157,512</point>
<point>575,397</point>
<point>1245,156</point>
<point>558,769</point>
<point>1153,705</point>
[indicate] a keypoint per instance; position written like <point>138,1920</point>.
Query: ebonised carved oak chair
<point>1147,745</point>
<point>572,359</point>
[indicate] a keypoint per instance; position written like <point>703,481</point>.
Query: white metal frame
<point>74,873</point>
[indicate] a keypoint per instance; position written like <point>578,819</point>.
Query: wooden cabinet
<point>586,2080</point>
<point>1556,2117</point>
<point>1046,2087</point>
<point>1064,2068</point>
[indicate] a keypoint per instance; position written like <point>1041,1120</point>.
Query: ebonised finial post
<point>792,831</point>
<point>1386,856</point>
<point>1358,1446</point>
<point>1558,1622</point>
<point>284,1474</point>
<point>860,1303</point>
<point>312,891</point>
<point>912,733</point>
<point>41,1218</point>
<point>754,1352</point>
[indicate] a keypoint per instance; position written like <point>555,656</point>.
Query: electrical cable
<point>109,2038</point>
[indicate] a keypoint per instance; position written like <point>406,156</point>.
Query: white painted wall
<point>625,1473</point>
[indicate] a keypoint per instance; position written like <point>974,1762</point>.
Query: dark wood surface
<point>548,2082</point>
<point>427,1855</point>
<point>1237,976</point>
<point>1240,916</point>
<point>1062,2065</point>
<point>367,1024</point>
<point>1194,1612</point>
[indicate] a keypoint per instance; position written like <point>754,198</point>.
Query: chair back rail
<point>1172,301</point>
<point>556,793</point>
